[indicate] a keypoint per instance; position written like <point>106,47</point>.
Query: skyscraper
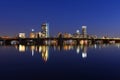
<point>84,31</point>
<point>45,30</point>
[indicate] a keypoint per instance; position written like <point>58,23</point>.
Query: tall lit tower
<point>84,31</point>
<point>45,30</point>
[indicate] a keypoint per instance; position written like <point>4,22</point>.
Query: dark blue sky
<point>100,16</point>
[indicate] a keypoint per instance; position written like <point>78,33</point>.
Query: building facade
<point>84,31</point>
<point>22,35</point>
<point>45,30</point>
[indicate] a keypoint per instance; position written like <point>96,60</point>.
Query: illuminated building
<point>67,35</point>
<point>38,35</point>
<point>45,30</point>
<point>77,34</point>
<point>84,31</point>
<point>22,35</point>
<point>32,35</point>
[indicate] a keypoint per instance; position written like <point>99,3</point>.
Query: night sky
<point>102,17</point>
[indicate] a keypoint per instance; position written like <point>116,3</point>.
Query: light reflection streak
<point>21,48</point>
<point>44,50</point>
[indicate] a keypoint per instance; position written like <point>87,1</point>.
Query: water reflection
<point>32,48</point>
<point>84,52</point>
<point>44,50</point>
<point>22,48</point>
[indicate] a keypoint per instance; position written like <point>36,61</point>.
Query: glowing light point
<point>33,30</point>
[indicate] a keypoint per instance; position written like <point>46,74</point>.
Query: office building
<point>32,35</point>
<point>45,30</point>
<point>84,31</point>
<point>22,35</point>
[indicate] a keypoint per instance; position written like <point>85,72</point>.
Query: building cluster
<point>77,34</point>
<point>43,34</point>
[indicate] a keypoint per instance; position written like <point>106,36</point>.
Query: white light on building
<point>22,35</point>
<point>45,30</point>
<point>84,31</point>
<point>32,35</point>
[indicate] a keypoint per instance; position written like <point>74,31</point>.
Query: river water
<point>83,62</point>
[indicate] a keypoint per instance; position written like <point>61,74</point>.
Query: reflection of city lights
<point>118,45</point>
<point>66,47</point>
<point>81,46</point>
<point>70,47</point>
<point>43,48</point>
<point>95,46</point>
<point>40,48</point>
<point>21,48</point>
<point>45,51</point>
<point>78,50</point>
<point>32,49</point>
<point>32,52</point>
<point>84,55</point>
<point>81,42</point>
<point>16,47</point>
<point>84,52</point>
<point>36,48</point>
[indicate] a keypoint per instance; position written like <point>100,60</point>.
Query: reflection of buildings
<point>84,52</point>
<point>83,49</point>
<point>44,51</point>
<point>67,47</point>
<point>78,49</point>
<point>22,48</point>
<point>32,49</point>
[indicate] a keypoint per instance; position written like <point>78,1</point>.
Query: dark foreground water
<point>95,62</point>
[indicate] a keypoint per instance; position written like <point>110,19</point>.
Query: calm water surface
<point>94,62</point>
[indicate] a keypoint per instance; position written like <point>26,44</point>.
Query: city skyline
<point>101,17</point>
